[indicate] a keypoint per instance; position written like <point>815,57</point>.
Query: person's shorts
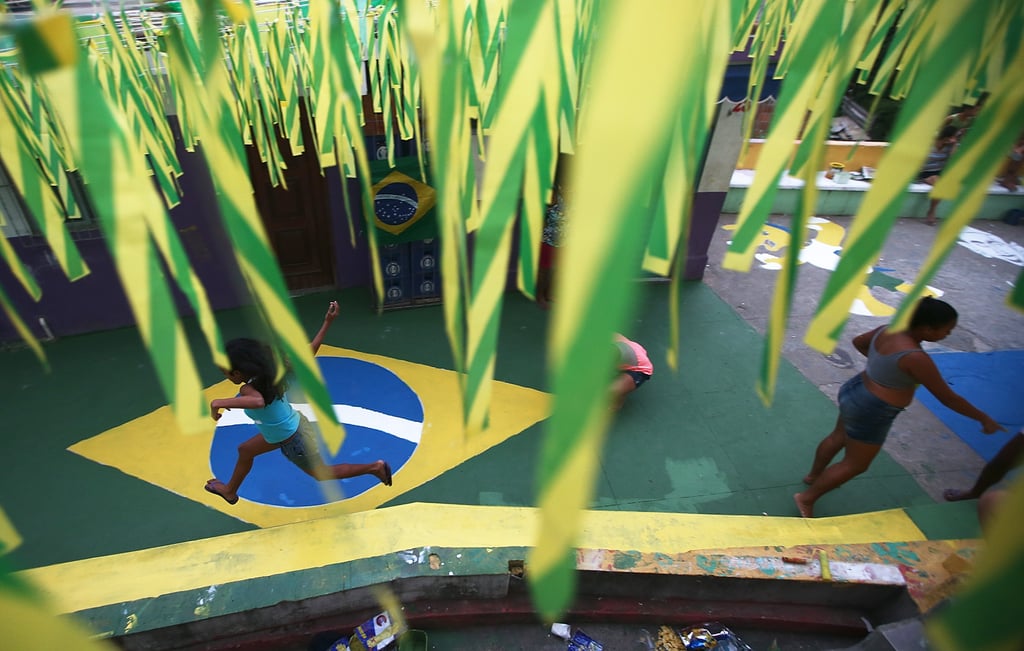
<point>301,448</point>
<point>922,175</point>
<point>866,417</point>
<point>638,377</point>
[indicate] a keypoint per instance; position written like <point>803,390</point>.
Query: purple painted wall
<point>92,303</point>
<point>97,302</point>
<point>707,206</point>
<point>351,263</point>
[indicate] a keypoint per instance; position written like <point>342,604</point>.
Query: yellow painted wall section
<point>852,154</point>
<point>136,575</point>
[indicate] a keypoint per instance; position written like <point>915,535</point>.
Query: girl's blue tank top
<point>276,421</point>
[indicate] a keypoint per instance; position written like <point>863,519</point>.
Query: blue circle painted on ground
<point>395,203</point>
<point>387,421</point>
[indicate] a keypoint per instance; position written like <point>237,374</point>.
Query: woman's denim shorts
<point>301,448</point>
<point>866,417</point>
<point>638,377</point>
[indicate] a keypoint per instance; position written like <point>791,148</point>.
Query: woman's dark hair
<point>947,131</point>
<point>256,360</point>
<point>932,313</point>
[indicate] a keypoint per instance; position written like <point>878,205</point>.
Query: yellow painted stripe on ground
<point>315,543</point>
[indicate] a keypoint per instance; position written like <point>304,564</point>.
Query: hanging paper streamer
<point>385,75</point>
<point>122,193</point>
<point>831,59</point>
<point>437,38</point>
<point>602,258</point>
<point>47,43</point>
<point>152,211</point>
<point>965,180</point>
<point>264,110</point>
<point>824,20</point>
<point>953,30</point>
<point>22,152</point>
<point>336,66</point>
<point>284,64</point>
<point>670,229</point>
<point>539,165</point>
<point>522,75</point>
<point>142,109</point>
<point>766,41</point>
<point>222,146</point>
<point>12,314</point>
<point>521,158</point>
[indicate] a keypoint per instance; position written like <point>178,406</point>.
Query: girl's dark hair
<point>932,313</point>
<point>256,360</point>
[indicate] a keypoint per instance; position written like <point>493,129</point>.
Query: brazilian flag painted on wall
<point>400,201</point>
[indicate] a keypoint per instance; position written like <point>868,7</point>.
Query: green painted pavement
<point>698,441</point>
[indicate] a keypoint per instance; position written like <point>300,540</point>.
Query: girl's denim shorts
<point>867,417</point>
<point>301,448</point>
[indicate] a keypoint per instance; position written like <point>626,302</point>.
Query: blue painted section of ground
<point>994,383</point>
<point>363,384</point>
<point>275,481</point>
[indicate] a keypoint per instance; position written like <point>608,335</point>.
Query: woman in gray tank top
<point>871,400</point>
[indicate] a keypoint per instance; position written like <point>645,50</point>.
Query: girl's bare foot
<point>810,479</point>
<point>806,510</point>
<point>217,487</point>
<point>954,495</point>
<point>382,471</point>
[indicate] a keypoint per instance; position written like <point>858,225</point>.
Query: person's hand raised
<point>332,311</point>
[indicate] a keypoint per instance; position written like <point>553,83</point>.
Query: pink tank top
<point>634,356</point>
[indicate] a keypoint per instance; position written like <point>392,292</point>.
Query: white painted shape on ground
<point>346,415</point>
<point>768,261</point>
<point>991,246</point>
<point>860,309</point>
<point>821,255</point>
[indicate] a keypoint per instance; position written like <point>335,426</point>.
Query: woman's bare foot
<point>217,487</point>
<point>954,495</point>
<point>806,510</point>
<point>810,479</point>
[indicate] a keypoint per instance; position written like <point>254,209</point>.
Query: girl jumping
<point>281,426</point>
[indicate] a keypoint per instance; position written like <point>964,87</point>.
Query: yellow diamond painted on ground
<point>408,414</point>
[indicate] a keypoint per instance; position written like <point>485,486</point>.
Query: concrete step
<point>906,635</point>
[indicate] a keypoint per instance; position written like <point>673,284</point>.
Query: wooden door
<point>297,220</point>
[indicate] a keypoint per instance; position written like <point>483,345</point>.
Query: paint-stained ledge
<point>316,573</point>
